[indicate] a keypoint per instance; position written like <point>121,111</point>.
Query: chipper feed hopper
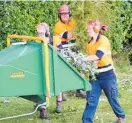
<point>33,68</point>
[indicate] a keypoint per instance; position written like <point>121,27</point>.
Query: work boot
<point>121,120</point>
<point>59,107</point>
<point>64,98</point>
<point>81,94</point>
<point>44,114</point>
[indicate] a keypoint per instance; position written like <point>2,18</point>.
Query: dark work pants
<point>109,86</point>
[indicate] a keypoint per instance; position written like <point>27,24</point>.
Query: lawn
<point>72,109</point>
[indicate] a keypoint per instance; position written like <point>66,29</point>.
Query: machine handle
<point>24,38</point>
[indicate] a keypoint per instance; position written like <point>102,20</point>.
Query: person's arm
<point>92,58</point>
<point>99,54</point>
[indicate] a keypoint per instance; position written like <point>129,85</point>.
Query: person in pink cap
<point>99,50</point>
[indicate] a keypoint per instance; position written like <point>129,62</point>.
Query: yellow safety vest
<point>61,27</point>
<point>103,45</point>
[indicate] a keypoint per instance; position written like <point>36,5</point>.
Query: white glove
<point>71,36</point>
<point>79,62</point>
<point>85,59</point>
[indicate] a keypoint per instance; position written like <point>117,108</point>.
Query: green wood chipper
<point>34,70</point>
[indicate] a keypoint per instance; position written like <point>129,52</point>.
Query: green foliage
<point>122,61</point>
<point>117,15</point>
<point>120,27</point>
<point>21,17</point>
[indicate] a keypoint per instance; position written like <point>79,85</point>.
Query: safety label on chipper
<point>17,74</point>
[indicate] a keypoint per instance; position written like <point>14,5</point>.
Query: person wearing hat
<point>65,26</point>
<point>64,30</point>
<point>99,50</point>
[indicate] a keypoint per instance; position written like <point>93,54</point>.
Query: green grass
<point>72,109</point>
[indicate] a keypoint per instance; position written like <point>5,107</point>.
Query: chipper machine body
<point>34,70</point>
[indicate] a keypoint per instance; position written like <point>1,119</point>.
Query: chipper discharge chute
<point>35,70</point>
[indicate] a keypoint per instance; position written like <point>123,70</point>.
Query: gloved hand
<point>84,59</point>
<point>79,62</point>
<point>71,36</point>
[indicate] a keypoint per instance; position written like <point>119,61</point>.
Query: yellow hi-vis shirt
<point>61,27</point>
<point>103,45</point>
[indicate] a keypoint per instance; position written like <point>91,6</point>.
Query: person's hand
<point>85,59</point>
<point>71,36</point>
<point>80,60</point>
